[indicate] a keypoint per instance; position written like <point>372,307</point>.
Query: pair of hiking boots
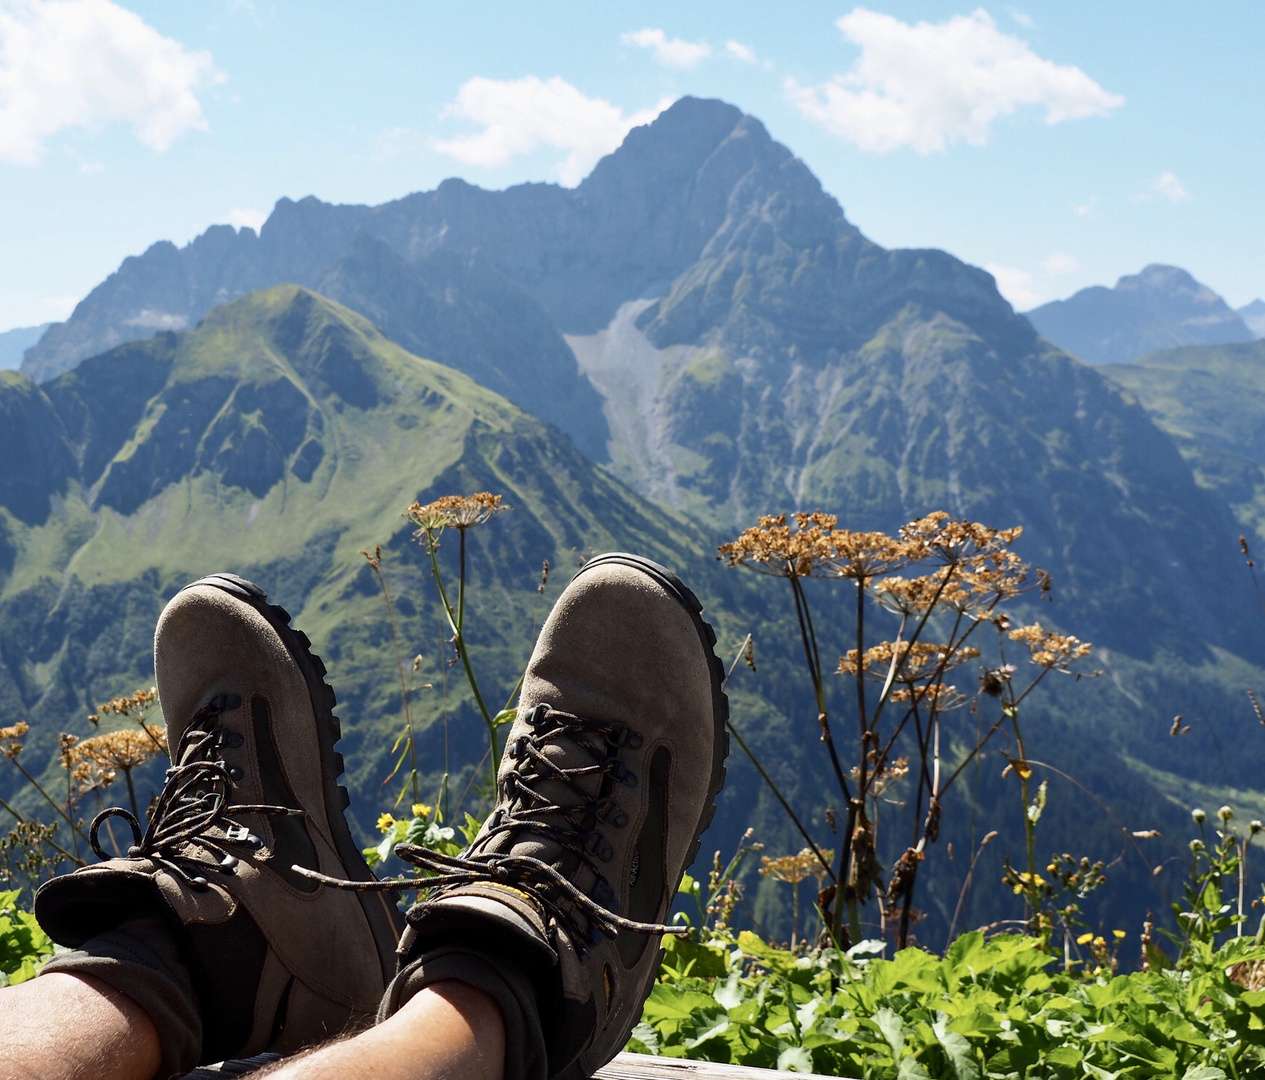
<point>243,917</point>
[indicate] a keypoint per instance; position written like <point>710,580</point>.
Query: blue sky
<point>1059,144</point>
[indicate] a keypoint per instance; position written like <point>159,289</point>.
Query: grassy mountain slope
<point>277,440</point>
<point>286,433</point>
<point>1211,400</point>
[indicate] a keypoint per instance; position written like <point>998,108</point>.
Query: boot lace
<point>573,826</point>
<point>189,826</point>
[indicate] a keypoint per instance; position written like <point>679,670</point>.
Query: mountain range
<point>693,336</point>
<point>1159,308</point>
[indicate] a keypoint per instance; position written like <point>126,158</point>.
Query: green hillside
<point>1211,400</point>
<point>286,433</point>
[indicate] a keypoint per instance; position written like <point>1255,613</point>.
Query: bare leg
<point>71,1027</point>
<point>448,1031</point>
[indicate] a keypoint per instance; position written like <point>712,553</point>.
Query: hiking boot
<point>609,778</point>
<point>277,960</point>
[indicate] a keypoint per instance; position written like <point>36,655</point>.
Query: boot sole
<point>720,703</point>
<point>385,921</point>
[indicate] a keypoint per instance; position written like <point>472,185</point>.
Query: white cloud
<point>928,85</point>
<point>1023,19</point>
<point>1167,186</point>
<point>1087,209</point>
<point>242,217</point>
<point>89,63</point>
<point>1015,285</point>
<point>59,307</point>
<point>1060,263</point>
<point>671,52</point>
<point>521,115</point>
<point>740,52</point>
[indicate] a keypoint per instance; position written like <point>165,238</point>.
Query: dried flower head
<point>125,749</point>
<point>11,739</point>
<point>862,556</point>
<point>774,547</point>
<point>942,538</point>
<point>133,705</point>
<point>794,868</point>
<point>454,512</point>
<point>1050,650</point>
<point>921,661</point>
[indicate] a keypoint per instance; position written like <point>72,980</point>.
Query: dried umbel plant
<point>96,761</point>
<point>937,573</point>
<point>11,739</point>
<point>455,512</point>
<point>794,869</point>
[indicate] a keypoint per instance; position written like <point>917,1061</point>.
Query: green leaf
<point>910,1069</point>
<point>795,1059</point>
<point>1204,1072</point>
<point>892,1028</point>
<point>957,1049</point>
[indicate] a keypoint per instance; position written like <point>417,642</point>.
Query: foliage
<point>23,945</point>
<point>925,593</point>
<point>991,1007</point>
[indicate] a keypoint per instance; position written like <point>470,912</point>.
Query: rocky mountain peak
<point>1161,307</point>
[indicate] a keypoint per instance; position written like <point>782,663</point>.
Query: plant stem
<point>825,863</point>
<point>51,843</point>
<point>455,621</point>
<point>49,799</point>
<point>375,564</point>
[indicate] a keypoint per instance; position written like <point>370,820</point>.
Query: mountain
<point>286,433</point>
<point>1211,400</point>
<point>13,343</point>
<point>1159,308</point>
<point>736,347</point>
<point>1253,315</point>
<point>277,439</point>
<point>699,316</point>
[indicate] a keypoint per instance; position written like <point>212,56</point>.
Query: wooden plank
<point>622,1067</point>
<point>648,1067</point>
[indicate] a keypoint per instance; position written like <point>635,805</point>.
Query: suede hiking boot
<point>277,961</point>
<point>610,775</point>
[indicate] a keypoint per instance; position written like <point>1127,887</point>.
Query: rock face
<point>737,347</point>
<point>1160,308</point>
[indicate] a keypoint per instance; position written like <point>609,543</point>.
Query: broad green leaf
<point>909,1068</point>
<point>956,1049</point>
<point>892,1028</point>
<point>644,1040</point>
<point>795,1059</point>
<point>1065,1057</point>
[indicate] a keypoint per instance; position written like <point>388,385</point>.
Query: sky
<point>1058,144</point>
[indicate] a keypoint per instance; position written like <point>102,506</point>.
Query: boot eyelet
<point>621,772</point>
<point>234,773</point>
<point>608,811</point>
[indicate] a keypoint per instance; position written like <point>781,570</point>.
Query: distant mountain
<point>1160,308</point>
<point>13,343</point>
<point>1211,400</point>
<point>1253,315</point>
